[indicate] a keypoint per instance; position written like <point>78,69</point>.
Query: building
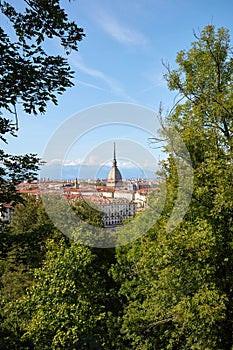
<point>114,176</point>
<point>118,200</point>
<point>116,211</point>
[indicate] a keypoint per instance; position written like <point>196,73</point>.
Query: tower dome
<point>114,176</point>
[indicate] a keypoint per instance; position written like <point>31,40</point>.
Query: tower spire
<point>114,154</point>
<point>114,176</point>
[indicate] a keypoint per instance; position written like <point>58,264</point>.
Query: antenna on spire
<point>114,154</point>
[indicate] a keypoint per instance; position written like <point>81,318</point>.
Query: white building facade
<point>116,211</point>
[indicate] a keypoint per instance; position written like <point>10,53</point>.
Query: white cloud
<point>73,162</point>
<point>155,78</point>
<point>77,62</point>
<point>90,85</point>
<point>122,33</point>
<point>141,164</point>
<point>54,162</point>
<point>65,162</point>
<point>93,160</point>
<point>90,161</point>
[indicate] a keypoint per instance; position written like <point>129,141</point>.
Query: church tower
<point>114,176</point>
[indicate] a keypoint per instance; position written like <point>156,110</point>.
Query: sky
<point>118,73</point>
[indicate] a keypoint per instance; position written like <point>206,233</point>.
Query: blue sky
<point>119,60</point>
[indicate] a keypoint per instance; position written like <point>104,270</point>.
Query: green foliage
<point>28,73</point>
<point>25,215</point>
<point>64,285</point>
<point>178,284</point>
<point>204,80</point>
<point>31,77</point>
<point>174,299</point>
<point>170,289</point>
<point>14,170</point>
<point>22,248</point>
<point>88,213</point>
<point>70,301</point>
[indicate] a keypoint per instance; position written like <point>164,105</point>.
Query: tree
<point>71,303</point>
<point>22,249</point>
<point>88,212</point>
<point>29,76</point>
<point>39,266</point>
<point>178,284</point>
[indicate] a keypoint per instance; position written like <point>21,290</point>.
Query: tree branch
<point>154,324</point>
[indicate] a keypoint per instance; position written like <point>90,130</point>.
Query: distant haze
<point>94,172</point>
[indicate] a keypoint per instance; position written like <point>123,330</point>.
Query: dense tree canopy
<point>178,284</point>
<point>55,293</point>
